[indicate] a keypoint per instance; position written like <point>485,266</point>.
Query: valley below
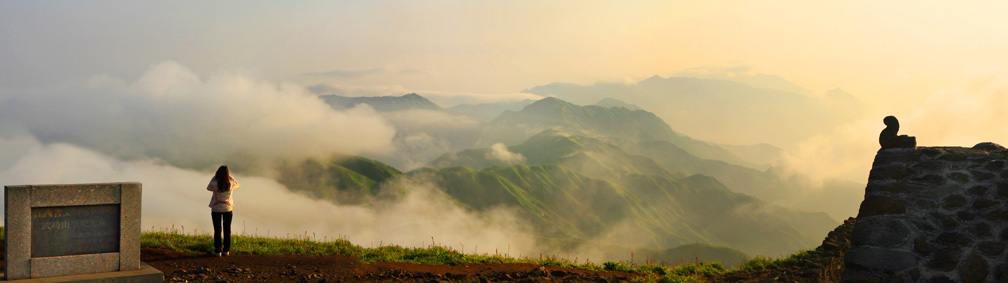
<point>610,181</point>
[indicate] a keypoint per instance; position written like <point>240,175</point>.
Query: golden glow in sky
<point>934,63</point>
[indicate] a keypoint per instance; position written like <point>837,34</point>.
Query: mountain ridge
<point>382,103</point>
<point>514,127</point>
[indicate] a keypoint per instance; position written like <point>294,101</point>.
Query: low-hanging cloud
<point>959,115</point>
<point>176,197</point>
<point>172,114</point>
<point>500,152</point>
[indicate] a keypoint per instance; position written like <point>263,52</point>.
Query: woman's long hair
<point>223,178</point>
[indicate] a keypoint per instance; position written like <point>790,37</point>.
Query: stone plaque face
<point>74,230</point>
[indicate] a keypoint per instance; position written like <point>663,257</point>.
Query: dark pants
<point>217,216</point>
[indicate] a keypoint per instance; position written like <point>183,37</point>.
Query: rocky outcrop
<point>823,264</point>
<point>933,214</point>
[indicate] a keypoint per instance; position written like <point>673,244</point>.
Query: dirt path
<point>181,267</point>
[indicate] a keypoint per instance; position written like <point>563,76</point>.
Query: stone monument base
<point>146,273</point>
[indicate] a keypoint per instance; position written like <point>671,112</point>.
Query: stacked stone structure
<point>933,214</point>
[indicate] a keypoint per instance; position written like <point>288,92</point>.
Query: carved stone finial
<point>889,138</point>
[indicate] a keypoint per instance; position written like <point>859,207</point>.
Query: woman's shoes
<point>216,254</point>
<point>226,254</point>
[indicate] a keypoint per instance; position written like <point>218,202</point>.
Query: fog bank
<point>176,197</point>
<point>172,114</point>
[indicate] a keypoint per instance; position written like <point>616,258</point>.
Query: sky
<point>75,72</point>
<point>869,48</point>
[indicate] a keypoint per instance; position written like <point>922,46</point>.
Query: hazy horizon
<point>163,92</point>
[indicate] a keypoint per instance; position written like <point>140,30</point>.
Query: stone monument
<point>933,214</point>
<point>889,138</point>
<point>74,229</point>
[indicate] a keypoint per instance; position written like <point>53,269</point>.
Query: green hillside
<point>344,179</point>
<point>635,125</point>
<point>588,156</point>
<point>609,178</point>
<point>601,159</point>
<point>610,159</point>
<point>739,178</point>
<point>642,210</point>
<point>769,185</point>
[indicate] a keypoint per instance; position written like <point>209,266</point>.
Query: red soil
<point>182,267</point>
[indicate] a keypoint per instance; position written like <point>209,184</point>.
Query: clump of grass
<point>439,255</point>
<point>760,263</point>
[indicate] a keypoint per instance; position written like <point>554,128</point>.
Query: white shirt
<point>221,201</point>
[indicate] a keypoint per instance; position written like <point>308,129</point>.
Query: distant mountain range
<point>617,122</point>
<point>723,110</point>
<point>645,212</point>
<point>382,103</point>
<point>487,111</point>
<point>612,102</point>
<point>609,175</point>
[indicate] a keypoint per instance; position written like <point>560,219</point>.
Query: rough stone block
<point>926,204</point>
<point>980,230</point>
<point>923,226</point>
<point>940,279</point>
<point>890,156</point>
<point>954,238</point>
<point>857,276</point>
<point>881,232</point>
<point>922,246</point>
<point>953,156</point>
<point>953,202</point>
<point>974,269</point>
<point>1002,190</point>
<point>946,222</point>
<point>889,172</point>
<point>981,176</point>
<point>890,187</point>
<point>981,204</point>
<point>881,205</point>
<point>965,216</point>
<point>991,248</point>
<point>978,190</point>
<point>930,151</point>
<point>928,180</point>
<point>994,165</point>
<point>945,259</point>
<point>1000,215</point>
<point>880,259</point>
<point>959,177</point>
<point>1001,272</point>
<point>935,217</point>
<point>930,166</point>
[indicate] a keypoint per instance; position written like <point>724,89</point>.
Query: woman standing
<point>221,205</point>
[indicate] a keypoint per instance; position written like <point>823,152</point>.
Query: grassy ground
<point>439,255</point>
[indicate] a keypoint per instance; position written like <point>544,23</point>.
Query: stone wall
<point>933,214</point>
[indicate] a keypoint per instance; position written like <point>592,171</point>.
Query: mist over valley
<point>600,181</point>
<point>659,131</point>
